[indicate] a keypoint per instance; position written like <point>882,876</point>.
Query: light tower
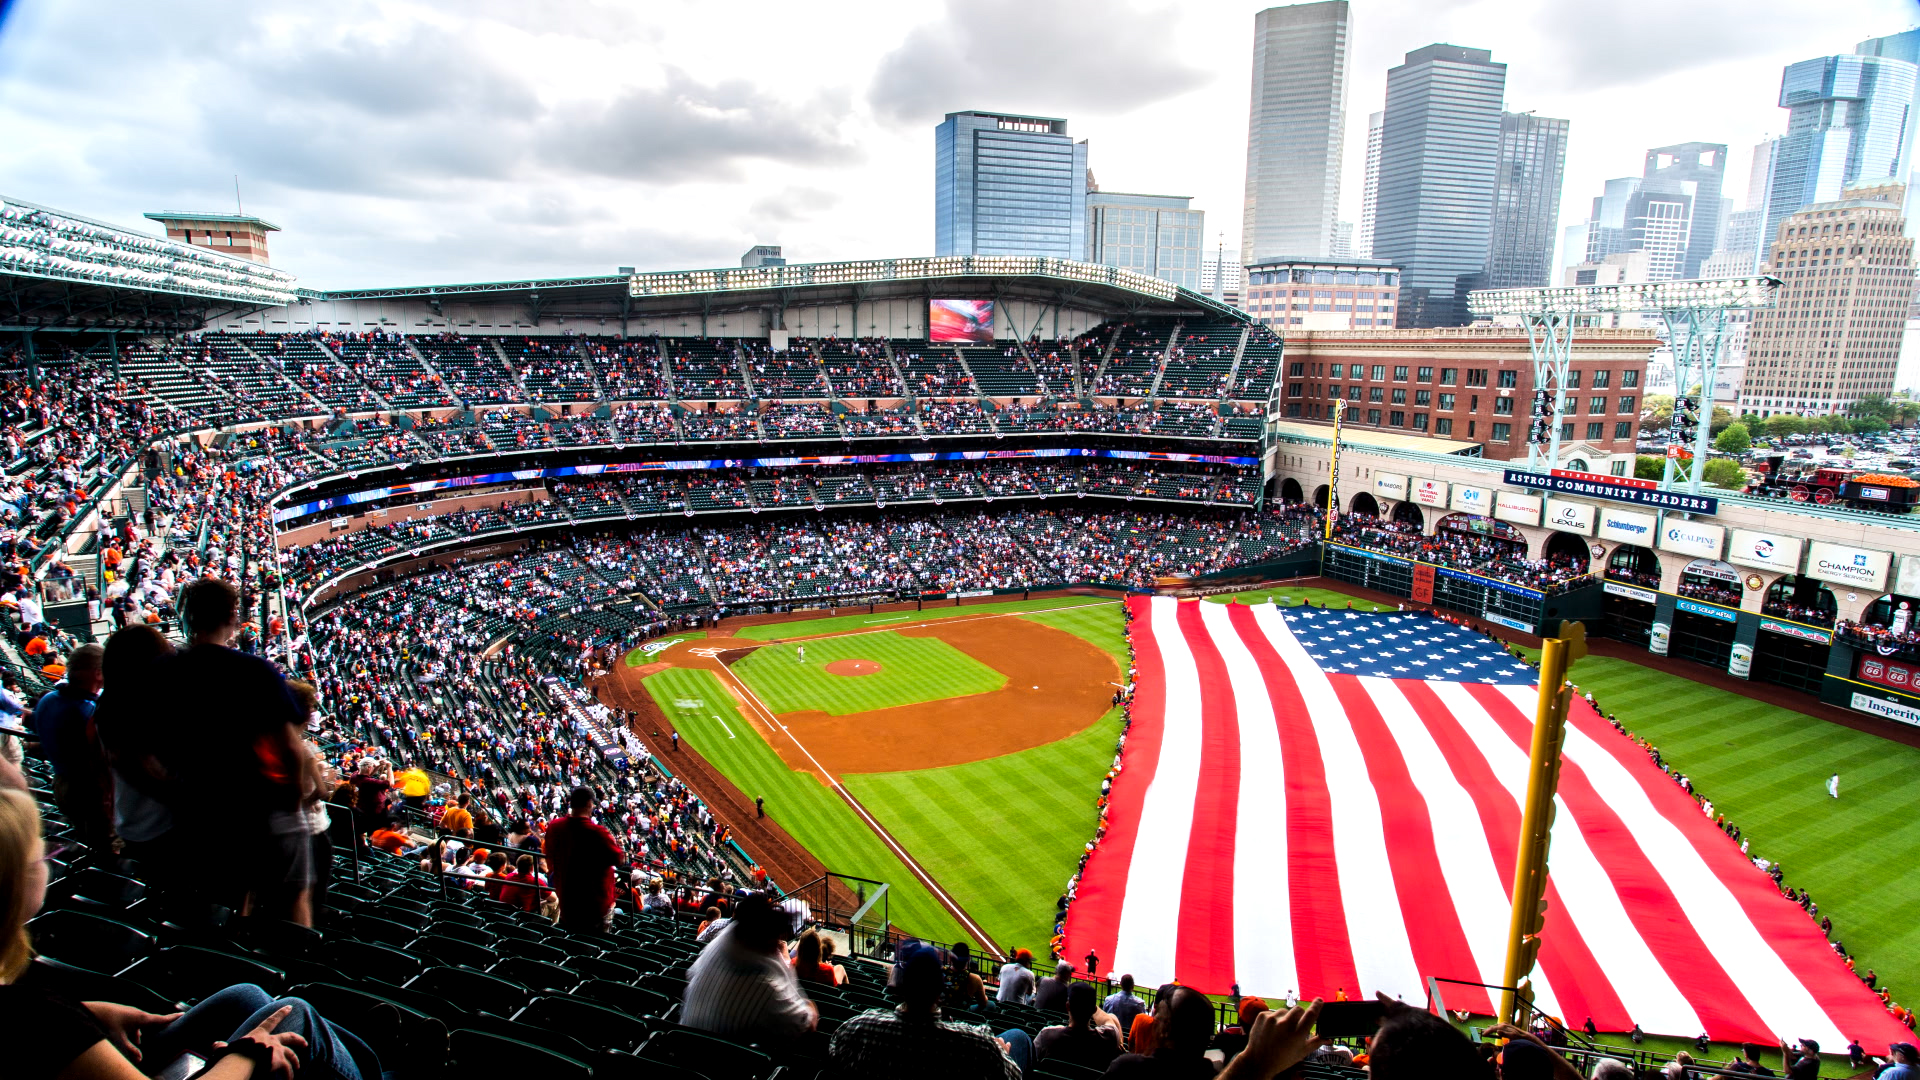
<point>1696,316</point>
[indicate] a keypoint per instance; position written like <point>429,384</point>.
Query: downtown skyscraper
<point>1008,185</point>
<point>1850,121</point>
<point>1439,166</point>
<point>1526,201</point>
<point>1295,131</point>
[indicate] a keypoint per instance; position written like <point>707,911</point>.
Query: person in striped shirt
<point>742,986</point>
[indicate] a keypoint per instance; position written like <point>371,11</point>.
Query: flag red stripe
<point>1093,922</point>
<point>1579,985</point>
<point>1433,926</point>
<point>1204,950</point>
<point>1316,913</point>
<point>1649,901</point>
<point>1854,1009</point>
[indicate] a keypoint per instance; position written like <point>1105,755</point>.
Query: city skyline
<point>521,141</point>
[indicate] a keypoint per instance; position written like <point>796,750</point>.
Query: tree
<point>1722,416</point>
<point>1785,424</point>
<point>1656,410</point>
<point>1874,405</point>
<point>1734,440</point>
<point>1725,473</point>
<point>1647,467</point>
<point>1871,425</point>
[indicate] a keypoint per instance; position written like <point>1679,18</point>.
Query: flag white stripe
<point>1645,989</point>
<point>1147,939</point>
<point>1466,858</point>
<point>1376,929</point>
<point>1262,951</point>
<point>1770,986</point>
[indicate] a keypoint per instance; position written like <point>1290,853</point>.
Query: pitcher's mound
<point>853,667</point>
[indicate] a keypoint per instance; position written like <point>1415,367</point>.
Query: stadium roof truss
<point>1047,281</point>
<point>1695,312</point>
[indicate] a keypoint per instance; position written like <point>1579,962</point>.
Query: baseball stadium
<point>682,674</point>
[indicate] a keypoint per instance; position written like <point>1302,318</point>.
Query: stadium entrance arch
<point>1568,546</point>
<point>1364,503</point>
<point>1796,634</point>
<point>1290,492</point>
<point>1320,496</point>
<point>1408,514</point>
<point>1706,613</point>
<point>1631,592</point>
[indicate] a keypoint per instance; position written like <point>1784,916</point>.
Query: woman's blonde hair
<point>19,846</point>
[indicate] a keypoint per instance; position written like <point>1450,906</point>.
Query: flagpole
<point>1529,917</point>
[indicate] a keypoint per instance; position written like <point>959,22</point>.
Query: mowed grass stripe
<point>912,670</point>
<point>814,815</point>
<point>1766,767</point>
<point>1288,596</point>
<point>1105,627</point>
<point>845,624</point>
<point>1001,835</point>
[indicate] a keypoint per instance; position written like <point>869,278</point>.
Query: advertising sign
<point>1691,538</point>
<point>1615,488</point>
<point>1567,516</point>
<point>1764,551</point>
<point>1509,623</point>
<point>1842,565</point>
<point>1740,661</point>
<point>1515,507</point>
<point>1795,630</point>
<point>1711,611</point>
<point>1892,710</point>
<point>1389,486</point>
<point>1907,581</point>
<point>1660,638</point>
<point>1472,500</point>
<point>1712,568</point>
<point>1645,596</point>
<point>1897,675</point>
<point>1430,492</point>
<point>1626,526</point>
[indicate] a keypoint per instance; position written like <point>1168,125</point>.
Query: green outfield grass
<point>850,624</point>
<point>1105,627</point>
<point>815,816</point>
<point>912,670</point>
<point>1001,835</point>
<point>1766,768</point>
<point>640,656</point>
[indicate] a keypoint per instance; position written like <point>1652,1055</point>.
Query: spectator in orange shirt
<point>458,819</point>
<point>391,840</point>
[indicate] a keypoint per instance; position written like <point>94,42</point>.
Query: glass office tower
<point>1008,185</point>
<point>1526,201</point>
<point>1439,163</point>
<point>1295,130</point>
<point>1849,121</point>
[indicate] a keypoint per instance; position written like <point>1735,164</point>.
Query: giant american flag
<point>1317,801</point>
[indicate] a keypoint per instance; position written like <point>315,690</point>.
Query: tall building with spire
<point>1370,188</point>
<point>1295,130</point>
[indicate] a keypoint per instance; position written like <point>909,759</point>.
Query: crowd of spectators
<point>1711,589</point>
<point>1488,556</point>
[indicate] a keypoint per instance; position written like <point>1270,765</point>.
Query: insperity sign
<point>1603,489</point>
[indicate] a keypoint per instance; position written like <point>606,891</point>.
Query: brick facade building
<point>1472,383</point>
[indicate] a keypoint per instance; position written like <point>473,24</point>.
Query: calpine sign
<point>1608,488</point>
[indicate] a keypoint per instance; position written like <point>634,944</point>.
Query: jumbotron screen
<point>960,322</point>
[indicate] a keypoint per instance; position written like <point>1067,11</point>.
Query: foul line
<point>723,724</point>
<point>946,901</point>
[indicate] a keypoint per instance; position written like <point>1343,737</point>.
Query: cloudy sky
<point>411,141</point>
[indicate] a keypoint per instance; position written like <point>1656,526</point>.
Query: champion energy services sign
<point>1843,565</point>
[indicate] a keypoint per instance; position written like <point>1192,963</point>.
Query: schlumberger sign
<point>1601,489</point>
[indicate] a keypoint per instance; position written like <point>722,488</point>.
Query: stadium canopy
<point>1104,289</point>
<point>61,271</point>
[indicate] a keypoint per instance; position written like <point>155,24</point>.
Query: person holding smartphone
<point>48,1036</point>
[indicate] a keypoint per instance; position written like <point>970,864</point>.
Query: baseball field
<point>957,753</point>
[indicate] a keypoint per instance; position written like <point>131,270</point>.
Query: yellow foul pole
<point>1529,916</point>
<point>1333,472</point>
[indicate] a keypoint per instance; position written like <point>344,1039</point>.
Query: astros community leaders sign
<point>1601,489</point>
